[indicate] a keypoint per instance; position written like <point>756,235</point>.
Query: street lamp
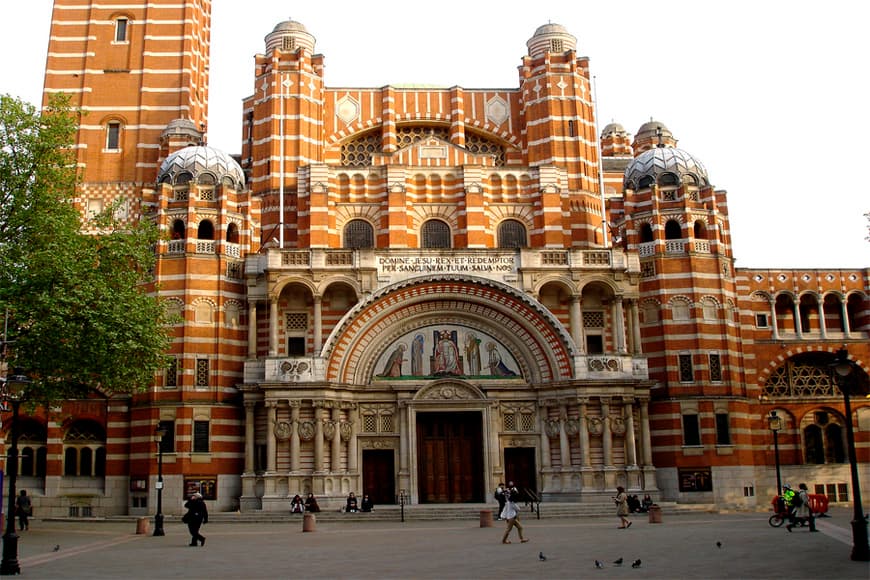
<point>849,384</point>
<point>13,392</point>
<point>775,424</point>
<point>159,433</point>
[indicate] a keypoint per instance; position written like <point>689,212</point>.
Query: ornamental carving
<point>553,426</point>
<point>572,426</point>
<point>306,430</point>
<point>378,443</point>
<point>282,431</point>
<point>346,430</point>
<point>603,364</point>
<point>596,425</point>
<point>448,393</point>
<point>617,425</point>
<point>329,428</point>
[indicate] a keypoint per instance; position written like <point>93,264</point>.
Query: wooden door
<point>450,457</point>
<point>379,476</point>
<point>519,467</point>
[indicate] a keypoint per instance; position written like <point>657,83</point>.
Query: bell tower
<point>131,68</point>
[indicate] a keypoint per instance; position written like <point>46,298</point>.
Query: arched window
<point>511,234</point>
<point>358,235</point>
<point>84,440</point>
<point>700,230</point>
<point>669,179</point>
<point>823,438</point>
<point>645,182</point>
<point>205,231</point>
<point>113,135</point>
<point>436,234</point>
<point>673,230</point>
<point>233,234</point>
<point>178,230</point>
<point>646,233</point>
<point>32,438</point>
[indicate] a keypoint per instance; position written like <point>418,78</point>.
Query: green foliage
<point>79,312</point>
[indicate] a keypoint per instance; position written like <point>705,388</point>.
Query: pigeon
<point>636,563</point>
<point>617,562</point>
<point>57,547</point>
<point>718,544</point>
<point>599,564</point>
<point>541,556</point>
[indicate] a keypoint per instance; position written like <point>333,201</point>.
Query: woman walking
<point>511,514</point>
<point>197,514</point>
<point>621,501</point>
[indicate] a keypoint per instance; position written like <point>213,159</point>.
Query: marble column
<point>564,443</point>
<point>577,323</point>
<point>318,324</point>
<point>352,443</point>
<point>318,436</point>
<point>252,329</point>
<point>823,326</point>
<point>295,442</point>
<point>645,436</point>
<point>494,443</point>
<point>774,321</point>
<point>630,444</point>
<point>271,442</point>
<point>585,459</point>
<point>273,326</point>
<point>543,412</point>
<point>844,312</point>
<point>606,435</point>
<point>636,339</point>
<point>335,454</point>
<point>798,327</point>
<point>619,325</point>
<point>249,436</point>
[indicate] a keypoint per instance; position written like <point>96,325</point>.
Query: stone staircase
<point>445,512</point>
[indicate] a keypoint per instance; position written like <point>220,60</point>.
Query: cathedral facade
<point>422,292</point>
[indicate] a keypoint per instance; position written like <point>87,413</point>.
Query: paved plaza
<point>683,546</point>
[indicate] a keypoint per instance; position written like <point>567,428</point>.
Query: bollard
<point>309,523</point>
<point>142,526</point>
<point>655,514</point>
<point>485,518</point>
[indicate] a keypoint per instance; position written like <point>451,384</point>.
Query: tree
<point>80,310</point>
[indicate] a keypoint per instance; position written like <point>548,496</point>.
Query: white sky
<point>770,95</point>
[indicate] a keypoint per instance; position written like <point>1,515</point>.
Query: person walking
<point>802,511</point>
<point>197,514</point>
<point>621,501</point>
<point>511,514</point>
<point>499,497</point>
<point>23,509</point>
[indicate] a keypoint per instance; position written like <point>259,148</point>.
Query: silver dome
<point>296,33</point>
<point>650,166</point>
<point>197,161</point>
<point>551,38</point>
<point>614,129</point>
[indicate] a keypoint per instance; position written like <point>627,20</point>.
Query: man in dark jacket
<point>197,514</point>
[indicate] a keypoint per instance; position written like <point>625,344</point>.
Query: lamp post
<point>13,392</point>
<point>159,433</point>
<point>775,424</point>
<point>849,384</point>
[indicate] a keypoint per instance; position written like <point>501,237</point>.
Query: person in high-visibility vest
<point>788,501</point>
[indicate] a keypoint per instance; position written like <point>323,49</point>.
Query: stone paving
<point>683,546</point>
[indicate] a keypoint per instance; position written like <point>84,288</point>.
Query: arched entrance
<point>450,457</point>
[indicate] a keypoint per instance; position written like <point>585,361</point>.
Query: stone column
<point>249,436</point>
<point>636,339</point>
<point>798,328</point>
<point>645,436</point>
<point>336,440</point>
<point>404,444</point>
<point>352,444</point>
<point>606,435</point>
<point>630,445</point>
<point>295,443</point>
<point>775,323</point>
<point>543,412</point>
<point>494,444</point>
<point>318,324</point>
<point>271,442</point>
<point>577,323</point>
<point>619,325</point>
<point>583,428</point>
<point>318,436</point>
<point>844,312</point>
<point>273,326</point>
<point>564,444</point>
<point>252,329</point>
<point>823,326</point>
